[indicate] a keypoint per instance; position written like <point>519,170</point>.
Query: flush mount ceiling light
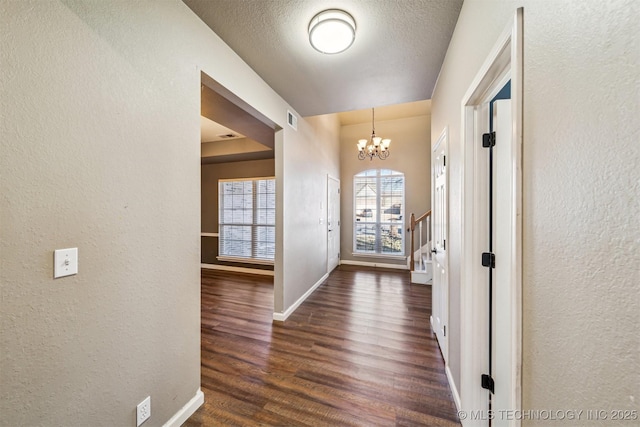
<point>332,31</point>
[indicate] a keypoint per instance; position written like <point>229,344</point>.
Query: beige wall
<point>100,137</point>
<point>410,154</point>
<point>581,230</point>
<point>308,156</point>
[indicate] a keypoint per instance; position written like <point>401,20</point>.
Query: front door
<point>440,287</point>
<point>333,223</point>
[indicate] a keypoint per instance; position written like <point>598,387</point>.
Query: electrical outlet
<point>144,411</point>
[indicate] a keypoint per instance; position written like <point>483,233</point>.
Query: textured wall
<point>100,137</point>
<point>308,156</point>
<point>581,250</point>
<point>101,153</point>
<point>410,154</point>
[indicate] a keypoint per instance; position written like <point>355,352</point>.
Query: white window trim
<point>240,259</point>
<point>375,255</point>
<point>354,252</point>
<point>258,261</point>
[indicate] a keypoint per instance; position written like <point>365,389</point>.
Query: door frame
<point>504,62</point>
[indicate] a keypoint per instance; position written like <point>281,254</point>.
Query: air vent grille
<point>292,120</point>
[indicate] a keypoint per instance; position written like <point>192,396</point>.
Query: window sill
<point>372,255</point>
<point>245,260</point>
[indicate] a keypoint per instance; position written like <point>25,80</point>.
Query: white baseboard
<point>374,264</point>
<point>186,411</point>
<point>281,317</point>
<point>237,269</point>
<point>454,390</point>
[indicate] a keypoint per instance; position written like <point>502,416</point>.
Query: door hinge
<point>488,259</point>
<point>444,330</point>
<point>444,244</point>
<point>444,160</point>
<point>338,191</point>
<point>487,383</point>
<point>488,139</point>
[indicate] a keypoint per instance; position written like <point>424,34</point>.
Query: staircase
<point>420,260</point>
<point>422,272</point>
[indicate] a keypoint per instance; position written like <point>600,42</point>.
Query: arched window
<point>378,212</point>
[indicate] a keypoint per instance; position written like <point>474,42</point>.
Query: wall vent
<point>292,120</point>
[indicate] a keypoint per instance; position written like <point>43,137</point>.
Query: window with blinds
<point>247,219</point>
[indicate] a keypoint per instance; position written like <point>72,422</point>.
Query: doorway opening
<point>237,150</point>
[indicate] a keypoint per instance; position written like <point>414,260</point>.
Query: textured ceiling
<point>396,56</point>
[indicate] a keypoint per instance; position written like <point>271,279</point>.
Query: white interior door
<point>504,366</point>
<point>440,286</point>
<point>333,223</point>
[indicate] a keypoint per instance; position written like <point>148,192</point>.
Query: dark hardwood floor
<point>358,352</point>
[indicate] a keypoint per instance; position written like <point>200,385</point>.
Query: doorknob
<point>435,251</point>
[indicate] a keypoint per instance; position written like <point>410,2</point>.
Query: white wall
<point>581,229</point>
<point>410,154</point>
<point>100,137</point>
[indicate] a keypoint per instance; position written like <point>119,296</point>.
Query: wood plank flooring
<point>358,352</point>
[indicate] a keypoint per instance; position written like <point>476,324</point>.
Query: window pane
<point>235,240</point>
<point>365,237</point>
<point>266,216</point>
<point>266,202</point>
<point>227,201</point>
<point>265,241</point>
<point>366,195</point>
<point>391,239</point>
<point>226,217</point>
<point>392,194</point>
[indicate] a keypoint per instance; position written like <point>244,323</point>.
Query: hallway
<point>358,352</point>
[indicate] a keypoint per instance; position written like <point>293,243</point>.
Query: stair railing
<point>425,218</point>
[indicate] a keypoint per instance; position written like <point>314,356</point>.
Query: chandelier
<point>377,147</point>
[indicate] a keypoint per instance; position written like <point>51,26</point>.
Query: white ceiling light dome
<point>332,31</point>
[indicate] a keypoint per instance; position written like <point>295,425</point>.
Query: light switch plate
<point>65,262</point>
